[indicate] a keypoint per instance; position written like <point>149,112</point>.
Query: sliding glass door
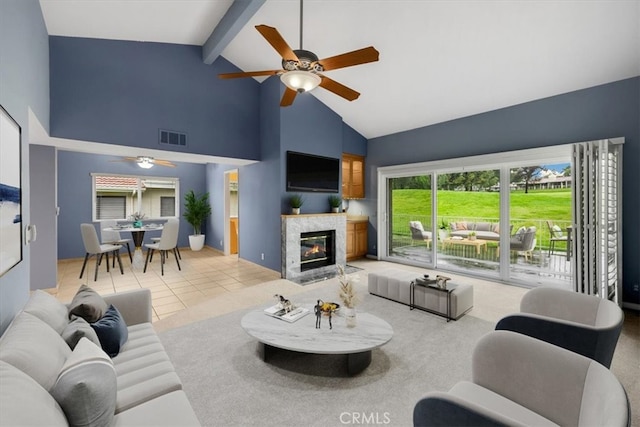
<point>494,216</point>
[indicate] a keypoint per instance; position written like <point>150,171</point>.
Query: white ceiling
<point>439,60</point>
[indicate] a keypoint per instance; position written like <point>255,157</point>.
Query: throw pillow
<point>461,225</point>
<point>48,309</point>
<point>23,402</point>
<point>112,331</point>
<point>557,231</point>
<point>520,233</point>
<point>76,329</point>
<point>496,227</point>
<point>35,348</point>
<point>86,386</point>
<point>88,304</point>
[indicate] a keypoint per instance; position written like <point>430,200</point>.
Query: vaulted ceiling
<point>439,60</point>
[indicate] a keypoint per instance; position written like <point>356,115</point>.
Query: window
<point>167,206</point>
<point>110,207</point>
<point>119,196</point>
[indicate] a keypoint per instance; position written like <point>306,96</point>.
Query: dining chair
<point>113,237</point>
<point>156,240</point>
<point>93,247</point>
<point>168,242</point>
<point>556,235</point>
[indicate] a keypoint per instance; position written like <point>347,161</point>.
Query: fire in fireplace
<point>317,249</point>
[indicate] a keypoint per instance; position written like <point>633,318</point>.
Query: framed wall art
<point>10,192</point>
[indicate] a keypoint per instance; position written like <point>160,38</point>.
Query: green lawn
<point>532,208</point>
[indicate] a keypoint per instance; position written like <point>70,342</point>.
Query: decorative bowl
<point>330,306</point>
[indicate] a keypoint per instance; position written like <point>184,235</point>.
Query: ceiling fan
<point>146,162</point>
<point>302,70</point>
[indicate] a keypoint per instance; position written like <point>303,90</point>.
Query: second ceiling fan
<point>302,70</point>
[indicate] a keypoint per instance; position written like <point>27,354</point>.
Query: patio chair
<point>524,241</point>
<point>418,233</point>
<point>555,235</point>
<point>584,324</point>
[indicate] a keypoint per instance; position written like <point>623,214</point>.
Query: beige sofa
<point>44,382</point>
<point>483,230</point>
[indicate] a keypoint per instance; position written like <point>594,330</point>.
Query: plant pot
<point>196,242</point>
<point>295,211</point>
<point>472,237</point>
<point>335,210</point>
<point>442,234</point>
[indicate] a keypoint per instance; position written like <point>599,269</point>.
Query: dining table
<point>137,234</point>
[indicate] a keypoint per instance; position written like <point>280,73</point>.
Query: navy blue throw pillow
<point>112,331</point>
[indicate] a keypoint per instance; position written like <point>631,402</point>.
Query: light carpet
<point>229,385</point>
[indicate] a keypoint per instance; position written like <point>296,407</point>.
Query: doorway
<point>232,223</point>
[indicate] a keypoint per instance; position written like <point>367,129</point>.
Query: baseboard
<point>631,306</point>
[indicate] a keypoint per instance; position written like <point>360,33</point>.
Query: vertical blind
<point>597,244</point>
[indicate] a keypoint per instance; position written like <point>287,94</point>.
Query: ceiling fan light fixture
<point>300,81</point>
<point>145,162</point>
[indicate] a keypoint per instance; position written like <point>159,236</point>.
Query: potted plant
<point>472,235</point>
<point>196,210</point>
<point>443,231</point>
<point>296,201</point>
<point>334,203</point>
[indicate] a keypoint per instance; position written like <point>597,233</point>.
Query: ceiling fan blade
<point>338,88</point>
<point>164,163</point>
<point>356,57</point>
<point>288,97</point>
<point>249,74</point>
<point>279,44</point>
<point>125,159</point>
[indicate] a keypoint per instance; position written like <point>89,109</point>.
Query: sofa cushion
<point>79,328</point>
<point>23,402</point>
<point>169,410</point>
<point>88,304</point>
<point>86,387</point>
<point>482,226</point>
<point>48,309</point>
<point>111,331</point>
<point>143,368</point>
<point>35,348</point>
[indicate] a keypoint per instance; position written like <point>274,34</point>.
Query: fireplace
<point>317,249</point>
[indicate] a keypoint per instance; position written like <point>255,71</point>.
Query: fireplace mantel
<point>294,225</point>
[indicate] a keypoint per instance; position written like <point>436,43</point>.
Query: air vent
<point>170,137</point>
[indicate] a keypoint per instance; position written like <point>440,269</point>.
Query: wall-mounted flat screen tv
<point>308,172</point>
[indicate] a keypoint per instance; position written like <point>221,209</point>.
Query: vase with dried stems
<point>348,296</point>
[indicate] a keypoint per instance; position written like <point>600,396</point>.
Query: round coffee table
<point>302,336</point>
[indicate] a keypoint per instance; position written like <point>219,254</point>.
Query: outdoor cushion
<point>23,402</point>
<point>86,386</point>
<point>483,226</point>
<point>48,309</point>
<point>35,348</point>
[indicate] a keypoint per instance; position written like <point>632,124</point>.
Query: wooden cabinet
<point>356,239</point>
<point>352,176</point>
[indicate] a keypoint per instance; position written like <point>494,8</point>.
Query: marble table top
<point>370,332</point>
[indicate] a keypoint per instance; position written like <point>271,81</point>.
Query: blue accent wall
<point>607,111</point>
<point>75,193</point>
<point>259,187</point>
<point>123,92</point>
<point>24,85</point>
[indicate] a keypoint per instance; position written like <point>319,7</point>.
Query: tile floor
<point>204,274</point>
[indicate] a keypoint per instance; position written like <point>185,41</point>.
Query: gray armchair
<point>418,233</point>
<point>524,241</point>
<point>521,381</point>
<point>584,324</point>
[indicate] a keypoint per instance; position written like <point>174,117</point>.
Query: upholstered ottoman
<point>395,284</point>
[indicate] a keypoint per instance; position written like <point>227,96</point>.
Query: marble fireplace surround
<point>294,225</point>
